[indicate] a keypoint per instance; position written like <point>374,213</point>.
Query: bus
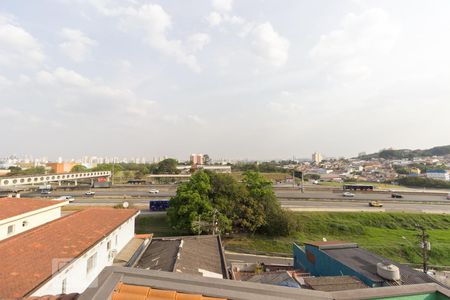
<point>357,187</point>
<point>158,205</point>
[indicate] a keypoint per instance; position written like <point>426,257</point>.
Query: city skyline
<point>234,79</point>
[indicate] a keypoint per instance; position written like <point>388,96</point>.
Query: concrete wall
<point>76,277</point>
<point>28,221</point>
<point>318,263</point>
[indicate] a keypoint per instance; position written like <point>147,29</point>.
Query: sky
<point>242,79</point>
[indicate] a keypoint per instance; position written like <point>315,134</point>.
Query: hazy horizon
<point>235,79</point>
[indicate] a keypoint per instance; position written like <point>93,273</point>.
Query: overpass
<point>47,178</point>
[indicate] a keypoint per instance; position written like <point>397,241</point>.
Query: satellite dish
<point>125,204</point>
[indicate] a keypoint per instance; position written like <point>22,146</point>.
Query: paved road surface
<point>292,199</point>
<point>166,192</point>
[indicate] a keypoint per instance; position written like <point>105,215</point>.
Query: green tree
<point>79,168</point>
<point>167,166</point>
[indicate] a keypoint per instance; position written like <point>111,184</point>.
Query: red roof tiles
<point>137,292</point>
<point>10,207</point>
<point>26,259</point>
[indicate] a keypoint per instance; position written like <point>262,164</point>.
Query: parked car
<point>348,194</point>
<point>395,195</point>
<point>375,204</point>
<point>45,192</point>
<point>65,198</point>
<point>153,191</point>
<point>90,193</point>
<point>448,196</point>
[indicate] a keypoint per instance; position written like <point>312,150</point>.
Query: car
<point>395,195</point>
<point>90,193</point>
<point>65,198</point>
<point>375,204</point>
<point>448,196</point>
<point>153,191</point>
<point>348,194</point>
<point>45,192</point>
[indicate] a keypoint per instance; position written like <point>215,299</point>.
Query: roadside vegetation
<point>424,182</point>
<point>392,235</point>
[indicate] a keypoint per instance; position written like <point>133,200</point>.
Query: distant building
<point>316,157</point>
<point>20,214</point>
<point>415,171</point>
<point>217,169</point>
<point>197,159</point>
<point>60,168</point>
<point>65,255</point>
<point>438,174</point>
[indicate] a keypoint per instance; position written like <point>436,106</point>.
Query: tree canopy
<point>250,206</point>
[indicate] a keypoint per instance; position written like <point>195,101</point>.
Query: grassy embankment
<point>392,235</point>
<point>377,185</point>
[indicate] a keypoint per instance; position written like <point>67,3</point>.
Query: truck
<point>45,187</point>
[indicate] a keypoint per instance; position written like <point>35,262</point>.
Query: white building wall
<point>75,274</point>
<point>439,175</point>
<point>31,220</point>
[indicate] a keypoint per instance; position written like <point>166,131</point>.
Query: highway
<point>289,198</point>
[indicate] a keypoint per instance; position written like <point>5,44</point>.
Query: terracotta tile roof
<point>10,207</point>
<point>137,292</point>
<point>144,236</point>
<point>26,259</point>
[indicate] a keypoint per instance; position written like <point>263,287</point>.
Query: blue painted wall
<point>320,264</point>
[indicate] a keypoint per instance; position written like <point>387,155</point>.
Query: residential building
<point>438,174</point>
<point>63,167</point>
<point>316,157</point>
<point>130,283</point>
<point>65,255</point>
<point>21,214</point>
<point>337,258</point>
<point>415,171</point>
<point>196,255</point>
<point>197,159</point>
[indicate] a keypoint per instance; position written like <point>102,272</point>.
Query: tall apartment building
<point>197,159</point>
<point>317,157</point>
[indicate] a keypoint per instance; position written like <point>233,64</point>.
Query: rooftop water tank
<point>388,271</point>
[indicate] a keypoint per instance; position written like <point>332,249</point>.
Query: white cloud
<point>196,119</point>
<point>222,5</point>
<point>80,92</point>
<point>77,46</point>
<point>270,45</point>
<point>214,18</point>
<point>18,48</point>
<point>360,41</point>
<point>198,41</point>
<point>152,23</point>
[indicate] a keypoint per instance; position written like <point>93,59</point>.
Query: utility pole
<point>214,221</point>
<point>425,245</point>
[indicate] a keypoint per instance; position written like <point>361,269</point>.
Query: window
<point>91,262</point>
<point>116,241</point>
<point>108,245</point>
<point>64,286</point>
<point>10,229</point>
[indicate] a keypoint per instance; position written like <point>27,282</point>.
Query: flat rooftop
<point>12,207</point>
<point>365,262</point>
<point>196,255</point>
<point>26,258</point>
